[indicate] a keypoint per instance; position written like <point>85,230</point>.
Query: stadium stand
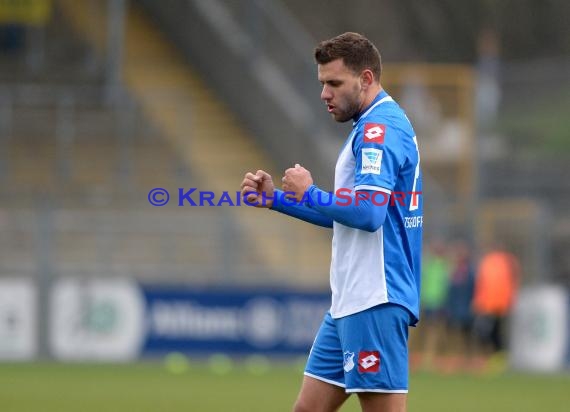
<point>92,162</point>
<point>79,170</point>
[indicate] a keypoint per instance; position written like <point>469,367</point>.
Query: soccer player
<point>376,217</point>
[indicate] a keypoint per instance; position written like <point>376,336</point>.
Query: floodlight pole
<point>116,12</point>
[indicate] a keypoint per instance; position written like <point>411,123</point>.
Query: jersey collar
<point>364,112</point>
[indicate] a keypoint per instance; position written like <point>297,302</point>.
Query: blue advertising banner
<point>231,321</point>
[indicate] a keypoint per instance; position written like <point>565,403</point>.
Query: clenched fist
<point>297,180</point>
<point>258,189</point>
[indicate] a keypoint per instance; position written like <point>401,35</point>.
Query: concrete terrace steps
<point>36,162</point>
<point>211,140</point>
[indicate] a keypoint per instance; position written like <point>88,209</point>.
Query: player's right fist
<point>258,189</point>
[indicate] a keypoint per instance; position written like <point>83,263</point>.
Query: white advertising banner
<point>99,319</point>
<point>539,335</point>
<point>17,319</point>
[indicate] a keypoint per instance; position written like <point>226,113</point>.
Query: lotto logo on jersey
<point>374,133</point>
<point>369,361</point>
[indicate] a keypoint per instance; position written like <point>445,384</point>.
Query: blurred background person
<point>495,291</point>
<point>435,281</point>
<point>488,68</point>
<point>459,302</point>
<point>12,38</point>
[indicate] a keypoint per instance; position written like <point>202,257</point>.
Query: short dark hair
<point>356,51</point>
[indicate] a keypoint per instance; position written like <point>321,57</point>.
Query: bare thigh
<point>319,396</point>
<point>382,402</point>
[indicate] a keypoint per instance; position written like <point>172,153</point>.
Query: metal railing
<point>69,228</point>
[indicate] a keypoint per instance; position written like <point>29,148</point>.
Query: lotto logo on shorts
<point>368,361</point>
<point>374,133</point>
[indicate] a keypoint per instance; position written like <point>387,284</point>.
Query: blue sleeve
<point>377,150</point>
<point>299,210</point>
<point>362,211</point>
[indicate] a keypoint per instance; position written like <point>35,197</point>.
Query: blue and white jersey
<point>380,155</point>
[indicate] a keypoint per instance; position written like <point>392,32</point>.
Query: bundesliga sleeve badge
<point>371,160</point>
<point>374,133</point>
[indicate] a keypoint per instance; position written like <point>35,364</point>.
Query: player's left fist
<point>297,180</point>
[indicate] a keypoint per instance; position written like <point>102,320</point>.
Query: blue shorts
<point>363,352</point>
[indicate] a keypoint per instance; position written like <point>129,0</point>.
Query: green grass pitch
<point>196,386</point>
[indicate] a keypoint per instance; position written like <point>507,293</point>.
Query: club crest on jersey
<point>371,161</point>
<point>374,133</point>
<point>348,361</point>
<point>369,361</point>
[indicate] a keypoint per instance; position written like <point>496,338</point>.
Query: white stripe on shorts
<point>342,385</point>
<point>377,390</point>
